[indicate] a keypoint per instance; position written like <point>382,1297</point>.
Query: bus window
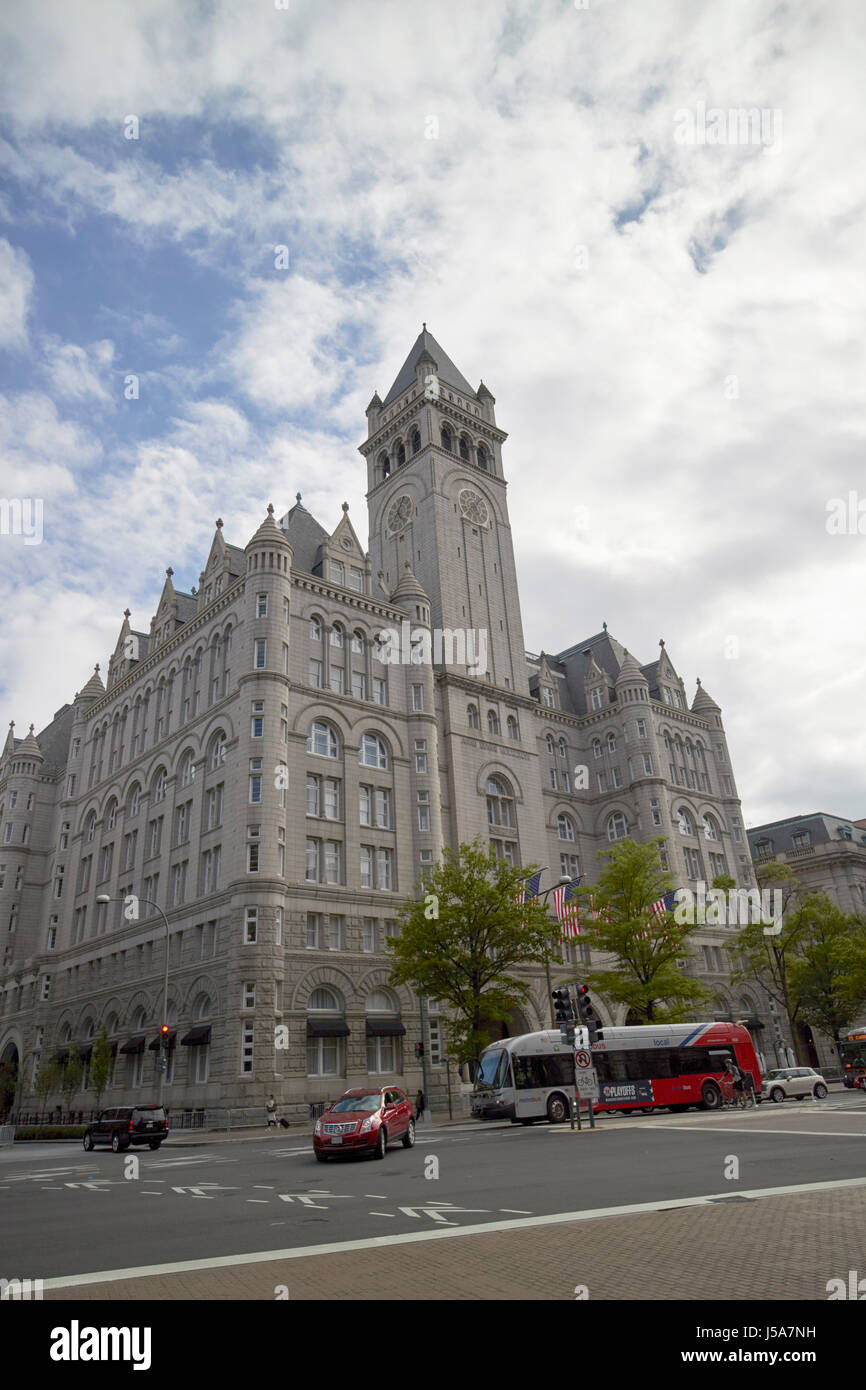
<point>538,1072</point>
<point>503,1075</point>
<point>488,1069</point>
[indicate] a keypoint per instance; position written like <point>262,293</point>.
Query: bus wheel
<point>527,1122</point>
<point>677,1109</point>
<point>711,1097</point>
<point>557,1109</point>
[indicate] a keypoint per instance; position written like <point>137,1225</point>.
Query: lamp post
<point>563,879</point>
<point>163,1058</point>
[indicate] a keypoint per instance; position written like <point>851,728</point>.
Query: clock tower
<point>437,498</point>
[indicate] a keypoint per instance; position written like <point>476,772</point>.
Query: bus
<point>852,1056</point>
<point>647,1067</point>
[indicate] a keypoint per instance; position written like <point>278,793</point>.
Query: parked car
<point>793,1083</point>
<point>860,1081</point>
<point>364,1122</point>
<point>123,1125</point>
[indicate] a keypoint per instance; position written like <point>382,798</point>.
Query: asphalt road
<point>64,1212</point>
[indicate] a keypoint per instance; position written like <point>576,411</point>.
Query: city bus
<point>852,1056</point>
<point>672,1066</point>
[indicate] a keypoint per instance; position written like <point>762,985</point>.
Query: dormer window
<point>548,697</point>
<point>338,572</point>
<point>595,698</point>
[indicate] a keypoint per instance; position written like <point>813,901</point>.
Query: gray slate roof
<point>305,536</point>
<point>446,369</point>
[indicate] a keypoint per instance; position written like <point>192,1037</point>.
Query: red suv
<point>365,1122</point>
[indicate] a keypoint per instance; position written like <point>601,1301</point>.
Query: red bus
<point>674,1065</point>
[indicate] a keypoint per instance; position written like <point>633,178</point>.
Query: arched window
<point>565,828</point>
<point>90,828</point>
<point>372,752</point>
<point>416,441</point>
<point>315,629</point>
<point>617,828</point>
<point>596,748</point>
<point>358,643</point>
<point>563,753</point>
<point>187,770</point>
<point>217,751</point>
<point>111,815</point>
<point>481,455</point>
<point>380,1001</point>
<point>322,740</point>
<point>500,803</point>
<point>385,465</point>
<point>384,1031</point>
<point>472,715</point>
<point>711,828</point>
<point>611,743</point>
<point>134,803</point>
<point>401,454</point>
<point>323,1001</point>
<point>492,722</point>
<point>551,746</point>
<point>464,448</point>
<point>685,822</point>
<point>160,785</point>
<point>446,437</point>
<point>205,1007</point>
<point>338,636</point>
<point>513,730</point>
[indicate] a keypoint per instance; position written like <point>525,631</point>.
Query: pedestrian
<point>271,1109</point>
<point>419,1105</point>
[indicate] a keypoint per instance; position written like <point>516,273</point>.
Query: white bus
<point>527,1078</point>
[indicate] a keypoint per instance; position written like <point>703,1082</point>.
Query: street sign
<point>583,1059</point>
<point>586,1084</point>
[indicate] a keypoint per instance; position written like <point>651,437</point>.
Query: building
<point>276,758</point>
<point>827,854</point>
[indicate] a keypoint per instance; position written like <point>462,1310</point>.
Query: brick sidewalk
<point>784,1247</point>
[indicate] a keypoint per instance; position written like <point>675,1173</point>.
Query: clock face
<point>473,507</point>
<point>400,513</point>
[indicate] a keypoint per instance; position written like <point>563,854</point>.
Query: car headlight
<point>368,1124</point>
<point>318,1128</point>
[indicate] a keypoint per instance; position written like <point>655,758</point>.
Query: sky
<point>665,296</point>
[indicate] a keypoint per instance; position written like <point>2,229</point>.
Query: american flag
<point>567,908</point>
<point>663,905</point>
<point>596,911</point>
<point>528,889</point>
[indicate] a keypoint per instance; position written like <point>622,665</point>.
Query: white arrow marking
<point>92,1186</point>
<point>307,1200</point>
<point>435,1212</point>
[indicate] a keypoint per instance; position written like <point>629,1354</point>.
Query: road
<point>247,1201</point>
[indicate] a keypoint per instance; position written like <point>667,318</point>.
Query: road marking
<point>755,1129</point>
<point>262,1186</point>
<point>303,1252</point>
<point>392,1215</point>
<point>377,1196</point>
<point>434,1211</point>
<point>515,1211</point>
<point>145,1193</point>
<point>259,1201</point>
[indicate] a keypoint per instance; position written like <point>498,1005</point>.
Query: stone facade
<point>254,769</point>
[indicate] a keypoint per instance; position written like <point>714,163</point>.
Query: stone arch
<point>379,978</point>
<point>326,975</point>
<point>202,984</point>
<point>496,767</point>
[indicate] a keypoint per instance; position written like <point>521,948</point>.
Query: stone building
<point>270,769</point>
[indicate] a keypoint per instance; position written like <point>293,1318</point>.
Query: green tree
<point>464,935</point>
<point>765,957</point>
<point>645,975</point>
<point>826,976</point>
<point>9,1080</point>
<point>100,1067</point>
<point>70,1081</point>
<point>47,1080</point>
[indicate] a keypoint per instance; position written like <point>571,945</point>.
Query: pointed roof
<point>269,531</point>
<point>425,343</point>
<point>305,536</point>
<point>629,670</point>
<point>9,745</point>
<point>409,588</point>
<point>704,702</point>
<point>94,687</point>
<point>29,746</point>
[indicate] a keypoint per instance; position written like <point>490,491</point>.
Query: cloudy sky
<point>667,303</point>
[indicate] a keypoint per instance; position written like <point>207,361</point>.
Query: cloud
<point>16,290</point>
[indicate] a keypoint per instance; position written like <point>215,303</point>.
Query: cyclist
<point>732,1084</point>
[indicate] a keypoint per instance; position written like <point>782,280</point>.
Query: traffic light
<point>563,1011</point>
<point>587,1015</point>
<point>419,1049</point>
<point>164,1032</point>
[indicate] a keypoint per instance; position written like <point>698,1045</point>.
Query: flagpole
<point>563,879</point>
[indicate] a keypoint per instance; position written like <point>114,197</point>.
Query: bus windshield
<point>486,1074</point>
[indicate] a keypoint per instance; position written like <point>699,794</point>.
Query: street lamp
<point>163,1059</point>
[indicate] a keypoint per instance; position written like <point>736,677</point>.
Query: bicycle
<point>732,1099</point>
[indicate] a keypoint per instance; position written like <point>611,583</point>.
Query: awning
<point>170,1037</point>
<point>134,1044</point>
<point>385,1028</point>
<point>197,1037</point>
<point>327,1028</point>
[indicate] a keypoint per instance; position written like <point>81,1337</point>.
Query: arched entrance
<point>9,1061</point>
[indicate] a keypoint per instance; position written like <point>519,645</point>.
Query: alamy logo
<point>459,646</point>
<point>76,1343</point>
<point>740,125</point>
<point>21,516</point>
<point>856,1288</point>
<point>738,907</point>
<point>20,1290</point>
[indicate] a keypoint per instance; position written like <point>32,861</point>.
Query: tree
<point>645,975</point>
<point>765,957</point>
<point>826,976</point>
<point>100,1067</point>
<point>47,1080</point>
<point>460,941</point>
<point>9,1080</point>
<point>70,1081</point>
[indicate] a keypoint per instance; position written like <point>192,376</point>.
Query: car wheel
<point>381,1143</point>
<point>88,1141</point>
<point>646,1110</point>
<point>557,1109</point>
<point>321,1158</point>
<point>154,1143</point>
<point>820,1091</point>
<point>777,1094</point>
<point>711,1097</point>
<point>527,1122</point>
<point>409,1136</point>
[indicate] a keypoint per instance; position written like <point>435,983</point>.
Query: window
<point>210,868</point>
<point>472,716</point>
<point>548,697</point>
<point>215,806</point>
<point>337,680</point>
<point>512,727</point>
<point>648,765</point>
<point>359,685</point>
<point>251,926</point>
<point>261,653</point>
<point>569,864</point>
<point>322,741</point>
<point>261,605</point>
<point>380,691</point>
<point>641,728</point>
<point>257,723</point>
<point>338,572</point>
<point>693,862</point>
<point>504,849</point>
<point>595,698</point>
<point>655,811</point>
<point>338,636</point>
<point>602,781</point>
<point>315,629</point>
<point>255,780</point>
<point>372,752</point>
<point>246,1046</point>
<point>333,861</point>
<point>249,995</point>
<point>565,828</point>
<point>385,870</point>
<point>356,579</point>
<point>423,810</point>
<point>617,777</point>
<point>554,780</point>
<point>366,866</point>
<point>617,829</point>
<point>685,823</point>
<point>217,752</point>
<point>313,855</point>
<point>333,798</point>
<point>314,931</point>
<point>711,829</point>
<point>278,926</point>
<point>253,838</point>
<point>316,674</point>
<point>596,748</point>
<point>417,697</point>
<point>500,803</point>
<point>370,934</point>
<point>336,932</point>
<point>611,743</point>
<point>492,722</point>
<point>421,755</point>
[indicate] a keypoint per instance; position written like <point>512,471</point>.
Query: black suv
<point>128,1124</point>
